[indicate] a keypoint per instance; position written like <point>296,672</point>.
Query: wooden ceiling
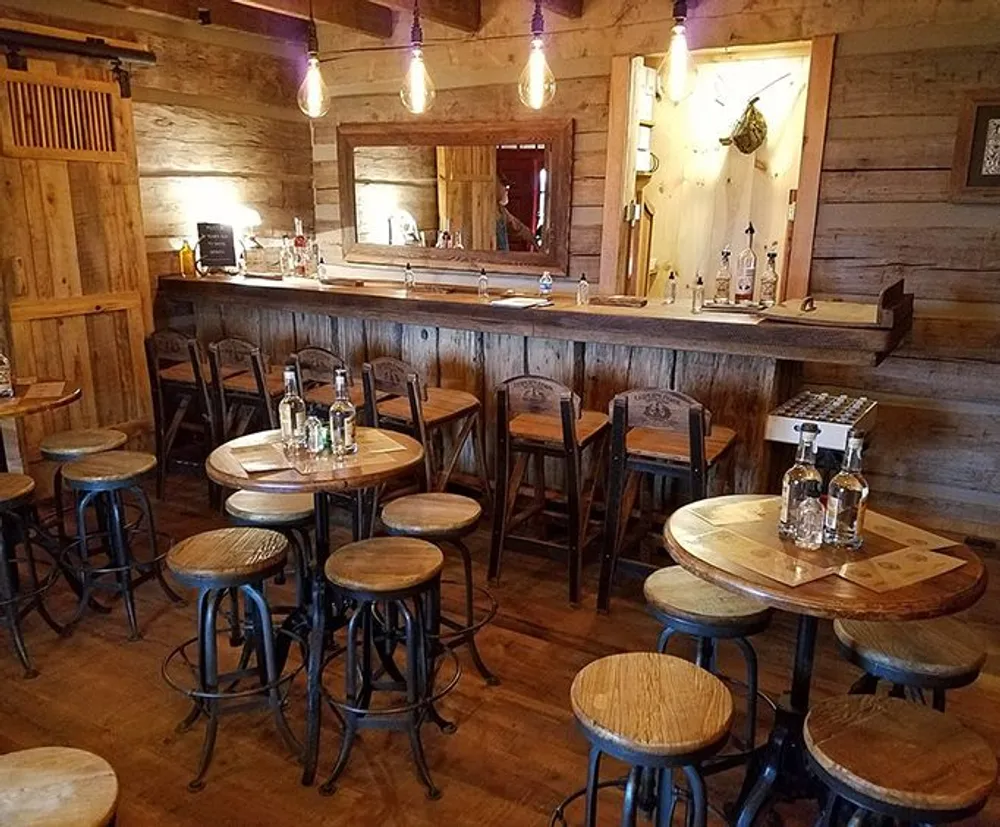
<point>287,19</point>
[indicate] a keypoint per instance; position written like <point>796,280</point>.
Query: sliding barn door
<point>72,252</point>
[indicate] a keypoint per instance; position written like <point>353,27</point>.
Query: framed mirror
<point>457,195</point>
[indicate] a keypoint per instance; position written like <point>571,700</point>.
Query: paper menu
<point>255,459</point>
<point>899,568</point>
<point>44,390</point>
<point>728,546</point>
<point>906,535</point>
<point>721,514</point>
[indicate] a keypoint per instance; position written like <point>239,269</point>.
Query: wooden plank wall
<point>216,123</point>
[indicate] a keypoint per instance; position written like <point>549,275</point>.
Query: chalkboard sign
<point>216,247</point>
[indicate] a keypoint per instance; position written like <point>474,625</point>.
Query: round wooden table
<point>49,394</point>
<point>779,767</point>
<point>382,455</point>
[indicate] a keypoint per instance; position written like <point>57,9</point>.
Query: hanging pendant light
<point>314,95</point>
<point>417,92</point>
<point>678,61</point>
<point>537,85</point>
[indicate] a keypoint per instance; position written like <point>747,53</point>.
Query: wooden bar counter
<point>740,367</point>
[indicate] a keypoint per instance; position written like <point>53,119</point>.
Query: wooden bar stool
<point>686,604</point>
<point>660,433</point>
<point>897,760</point>
<point>917,655</point>
<point>18,598</point>
<point>57,787</point>
<point>538,418</point>
<point>444,519</point>
<point>388,578</point>
<point>71,445</point>
<point>104,478</point>
<point>217,563</point>
<point>397,397</point>
<point>655,713</point>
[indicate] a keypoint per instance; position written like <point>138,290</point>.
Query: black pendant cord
<point>680,10</point>
<point>312,45</point>
<point>416,32</point>
<point>537,21</point>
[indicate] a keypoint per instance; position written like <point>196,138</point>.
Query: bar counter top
<point>655,325</point>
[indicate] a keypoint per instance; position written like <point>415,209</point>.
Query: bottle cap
<point>672,275</point>
<point>482,271</point>
<point>808,427</point>
<point>699,281</point>
<point>583,276</point>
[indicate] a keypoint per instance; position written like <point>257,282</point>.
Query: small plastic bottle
<point>484,285</point>
<point>583,290</point>
<point>809,520</point>
<point>670,295</point>
<point>409,279</point>
<point>698,295</point>
<point>545,285</point>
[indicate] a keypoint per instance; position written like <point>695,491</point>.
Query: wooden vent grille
<point>64,118</point>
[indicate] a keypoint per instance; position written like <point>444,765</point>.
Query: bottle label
<point>832,513</point>
<point>786,491</point>
<point>744,283</point>
<point>349,433</point>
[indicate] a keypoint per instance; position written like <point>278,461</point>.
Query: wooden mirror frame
<point>555,134</point>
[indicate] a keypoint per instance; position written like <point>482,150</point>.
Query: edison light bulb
<point>678,64</point>
<point>314,96</point>
<point>418,89</point>
<point>537,85</point>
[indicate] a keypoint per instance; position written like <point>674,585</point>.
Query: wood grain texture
<point>675,591</point>
<point>15,486</point>
<point>18,405</point>
<point>674,446</point>
<point>943,647</point>
<point>384,564</point>
<point>900,752</point>
<point>652,704</point>
<point>246,554</point>
<point>110,466</point>
<point>267,509</point>
<point>547,430</point>
<point>442,406</point>
<point>432,514</point>
<point>57,787</point>
<point>70,445</point>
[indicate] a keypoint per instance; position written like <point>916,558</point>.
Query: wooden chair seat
<point>384,564</point>
<point>69,445</point>
<point>431,515</point>
<point>270,509</point>
<point>15,487</point>
<point>109,467</point>
<point>228,556</point>
<point>652,704</point>
<point>900,753</point>
<point>676,592</point>
<point>56,787</point>
<point>940,649</point>
<point>547,430</point>
<point>323,395</point>
<point>442,405</point>
<point>246,382</point>
<point>182,373</point>
<point>674,446</point>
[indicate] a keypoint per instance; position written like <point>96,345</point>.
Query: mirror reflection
<point>493,197</point>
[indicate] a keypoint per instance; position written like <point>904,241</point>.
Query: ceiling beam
<point>367,17</point>
<point>465,15</point>
<point>224,14</point>
<point>565,8</point>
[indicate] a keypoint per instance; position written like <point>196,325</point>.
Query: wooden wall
<point>216,122</point>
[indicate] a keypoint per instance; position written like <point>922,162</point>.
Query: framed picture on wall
<point>975,169</point>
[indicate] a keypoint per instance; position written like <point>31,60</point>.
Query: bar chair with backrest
<point>538,417</point>
<point>246,397</point>
<point>661,433</point>
<point>314,370</point>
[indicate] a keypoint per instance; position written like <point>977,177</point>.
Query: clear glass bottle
<point>301,249</point>
<point>342,417</point>
<point>292,413</point>
<point>769,281</point>
<point>847,498</point>
<point>483,288</point>
<point>409,278</point>
<point>670,293</point>
<point>809,524</point>
<point>723,278</point>
<point>315,436</point>
<point>583,290</point>
<point>697,295</point>
<point>286,258</point>
<point>6,377</point>
<point>746,271</point>
<point>545,285</point>
<point>801,481</point>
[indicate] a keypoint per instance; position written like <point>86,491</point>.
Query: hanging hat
<point>750,130</point>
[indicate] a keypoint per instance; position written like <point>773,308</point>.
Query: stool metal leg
<point>147,513</point>
<point>831,808</point>
<point>664,640</point>
<point>9,607</point>
<point>939,700</point>
<point>698,804</point>
<point>86,576</point>
<point>630,805</point>
<point>123,560</point>
<point>470,616</point>
<point>666,800</point>
<point>57,498</point>
<point>415,688</point>
<point>593,776</point>
<point>750,656</point>
<point>208,678</point>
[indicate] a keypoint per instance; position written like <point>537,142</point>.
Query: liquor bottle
<point>483,288</point>
<point>301,248</point>
<point>342,416</point>
<point>801,481</point>
<point>286,258</point>
<point>185,258</point>
<point>769,281</point>
<point>409,278</point>
<point>809,524</point>
<point>847,498</point>
<point>670,294</point>
<point>545,285</point>
<point>723,279</point>
<point>746,272</point>
<point>292,413</point>
<point>697,295</point>
<point>6,377</point>
<point>583,290</point>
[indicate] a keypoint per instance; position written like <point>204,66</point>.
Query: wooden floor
<point>515,755</point>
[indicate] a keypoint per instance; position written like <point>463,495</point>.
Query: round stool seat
<point>675,591</point>
<point>943,649</point>
<point>56,787</point>
<point>109,467</point>
<point>384,564</point>
<point>228,556</point>
<point>652,704</point>
<point>15,487</point>
<point>70,445</point>
<point>900,753</point>
<point>431,515</point>
<point>270,509</point>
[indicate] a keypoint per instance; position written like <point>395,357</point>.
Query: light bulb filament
<point>678,64</point>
